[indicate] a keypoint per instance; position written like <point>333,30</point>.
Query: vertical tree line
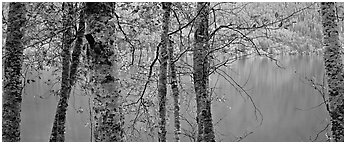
<point>12,81</point>
<point>58,129</point>
<point>333,64</point>
<point>108,110</point>
<point>162,86</point>
<point>201,65</point>
<point>175,91</point>
<point>69,68</point>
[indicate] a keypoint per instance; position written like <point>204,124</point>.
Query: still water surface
<point>282,95</point>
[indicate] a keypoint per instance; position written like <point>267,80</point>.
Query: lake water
<point>282,95</point>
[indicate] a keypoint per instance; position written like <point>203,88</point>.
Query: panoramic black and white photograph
<point>172,71</point>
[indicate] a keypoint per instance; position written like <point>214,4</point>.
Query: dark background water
<point>282,95</point>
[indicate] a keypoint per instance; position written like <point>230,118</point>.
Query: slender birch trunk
<point>12,85</point>
<point>77,47</point>
<point>334,69</point>
<point>58,130</point>
<point>162,86</point>
<point>175,91</point>
<point>201,74</point>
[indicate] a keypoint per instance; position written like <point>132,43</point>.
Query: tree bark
<point>58,130</point>
<point>78,47</point>
<point>12,87</point>
<point>201,74</point>
<point>334,70</point>
<point>107,102</point>
<point>162,86</point>
<point>175,93</point>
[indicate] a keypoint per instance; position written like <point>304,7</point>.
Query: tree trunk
<point>334,70</point>
<point>201,74</point>
<point>77,48</point>
<point>107,102</point>
<point>162,86</point>
<point>175,91</point>
<point>12,87</point>
<point>58,130</point>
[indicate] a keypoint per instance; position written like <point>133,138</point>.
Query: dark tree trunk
<point>175,93</point>
<point>108,105</point>
<point>77,48</point>
<point>334,70</point>
<point>201,74</point>
<point>162,86</point>
<point>12,87</point>
<point>58,130</point>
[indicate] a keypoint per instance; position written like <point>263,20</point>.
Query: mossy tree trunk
<point>201,74</point>
<point>69,72</point>
<point>107,101</point>
<point>77,47</point>
<point>12,84</point>
<point>175,92</point>
<point>58,130</point>
<point>162,86</point>
<point>334,70</point>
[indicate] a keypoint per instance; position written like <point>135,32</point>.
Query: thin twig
<point>127,39</point>
<point>253,103</point>
<point>187,23</point>
<point>317,135</point>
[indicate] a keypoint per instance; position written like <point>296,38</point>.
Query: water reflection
<point>279,93</point>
